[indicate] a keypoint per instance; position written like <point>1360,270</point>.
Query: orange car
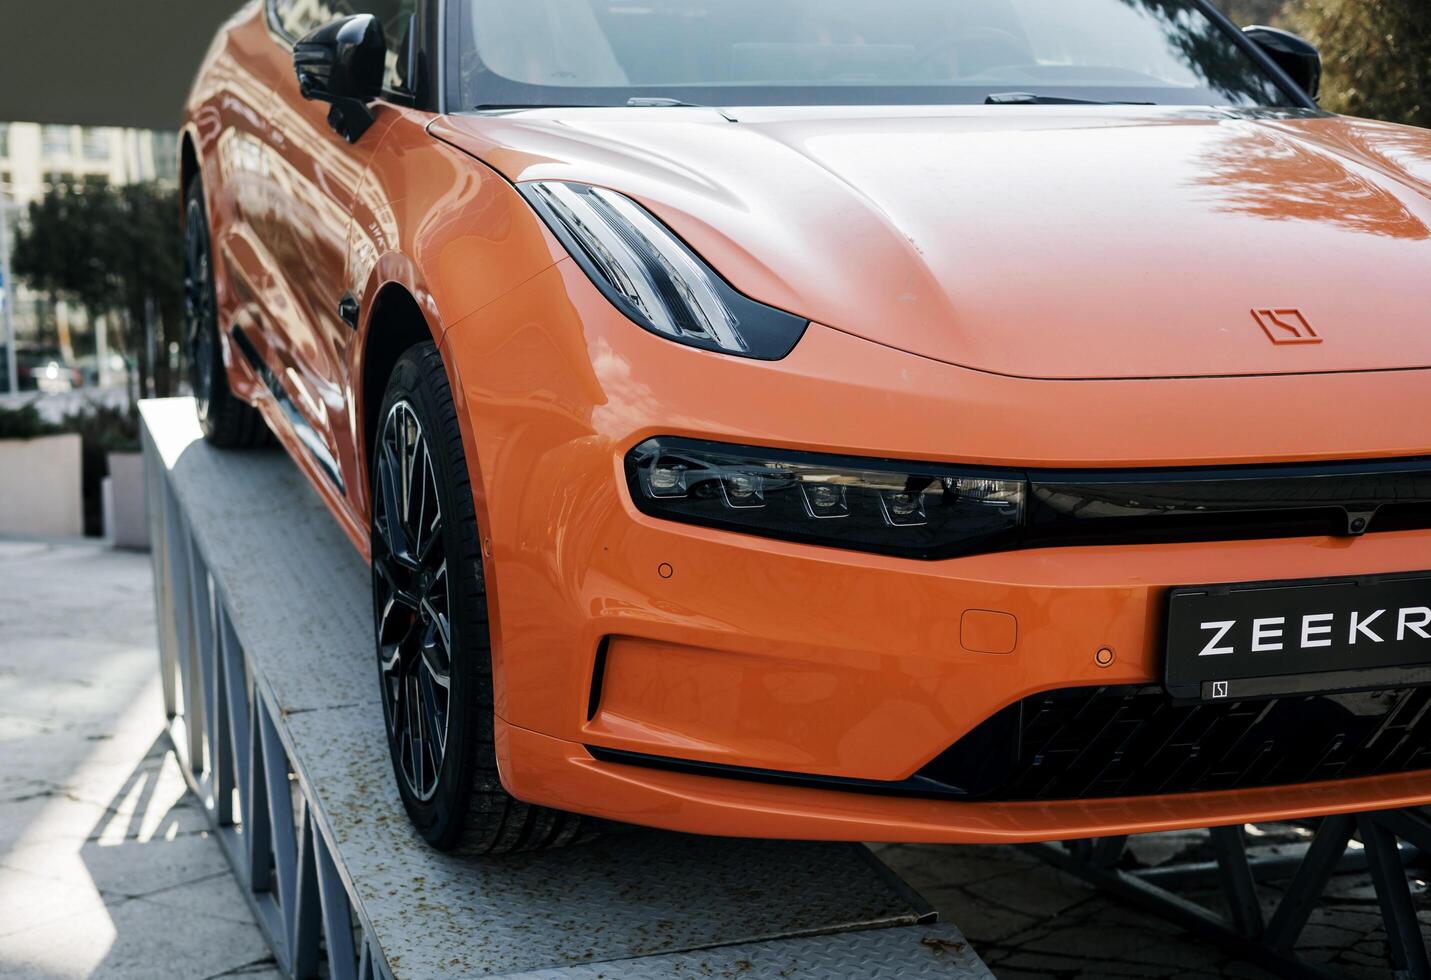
<point>920,420</point>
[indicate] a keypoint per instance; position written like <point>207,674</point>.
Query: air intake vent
<point>1085,743</point>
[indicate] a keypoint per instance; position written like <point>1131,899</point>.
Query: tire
<point>226,421</point>
<point>431,626</point>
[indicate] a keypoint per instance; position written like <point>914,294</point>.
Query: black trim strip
<point>1344,499</point>
<point>916,786</point>
<point>598,677</point>
<point>302,428</point>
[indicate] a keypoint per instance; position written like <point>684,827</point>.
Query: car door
<point>315,176</point>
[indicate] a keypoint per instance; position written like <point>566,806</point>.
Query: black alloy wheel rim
<point>411,601</point>
<point>199,313</point>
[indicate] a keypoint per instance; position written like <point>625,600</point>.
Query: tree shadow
<point>140,786</point>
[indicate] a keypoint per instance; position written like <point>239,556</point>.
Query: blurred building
<point>34,156</point>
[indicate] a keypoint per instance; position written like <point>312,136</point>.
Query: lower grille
<point>1085,743</point>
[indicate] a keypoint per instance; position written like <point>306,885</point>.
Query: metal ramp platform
<point>270,685</point>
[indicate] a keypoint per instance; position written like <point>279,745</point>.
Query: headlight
<point>654,277</point>
<point>895,508</point>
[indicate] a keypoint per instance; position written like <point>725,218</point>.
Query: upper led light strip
<point>638,257</point>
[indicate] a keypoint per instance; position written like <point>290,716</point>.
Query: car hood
<point>1042,242</point>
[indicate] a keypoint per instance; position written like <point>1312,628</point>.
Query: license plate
<point>1270,639</point>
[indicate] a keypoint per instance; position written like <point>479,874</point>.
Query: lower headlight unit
<point>891,507</point>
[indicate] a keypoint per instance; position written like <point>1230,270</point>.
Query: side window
<point>297,18</point>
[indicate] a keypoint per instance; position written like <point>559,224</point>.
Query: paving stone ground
<point>106,866</point>
<point>107,869</point>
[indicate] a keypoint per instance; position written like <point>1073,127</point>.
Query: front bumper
<point>728,649</point>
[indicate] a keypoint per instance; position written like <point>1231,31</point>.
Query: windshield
<point>841,52</point>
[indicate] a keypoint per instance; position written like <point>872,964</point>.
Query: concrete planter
<point>41,487</point>
<point>126,522</point>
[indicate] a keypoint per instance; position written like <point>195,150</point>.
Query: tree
<point>1247,12</point>
<point>1377,54</point>
<point>115,252</point>
<point>149,273</point>
<point>61,249</point>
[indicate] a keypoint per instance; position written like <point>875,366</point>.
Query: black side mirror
<point>1296,57</point>
<point>343,63</point>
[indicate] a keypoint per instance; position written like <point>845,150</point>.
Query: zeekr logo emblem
<point>1286,327</point>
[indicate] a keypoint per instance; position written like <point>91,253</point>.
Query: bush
<point>103,429</point>
<point>1378,56</point>
<point>25,422</point>
<point>1247,12</point>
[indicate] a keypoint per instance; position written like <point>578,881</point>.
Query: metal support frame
<point>221,723</point>
<point>1271,942</point>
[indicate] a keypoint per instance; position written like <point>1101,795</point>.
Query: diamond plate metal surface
<point>880,954</point>
<point>633,894</point>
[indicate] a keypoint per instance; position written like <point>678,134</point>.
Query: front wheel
<point>430,617</point>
